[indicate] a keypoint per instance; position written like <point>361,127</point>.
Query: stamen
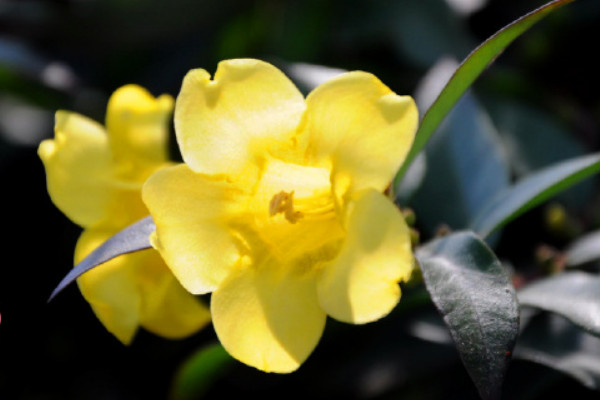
<point>283,203</point>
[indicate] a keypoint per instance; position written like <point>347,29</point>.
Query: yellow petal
<point>167,308</point>
<point>223,125</point>
<point>126,207</point>
<point>191,213</point>
<point>361,284</point>
<point>138,128</point>
<point>78,168</point>
<point>268,316</point>
<point>111,288</point>
<point>359,128</point>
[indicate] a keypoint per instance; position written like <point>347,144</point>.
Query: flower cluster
<point>278,209</point>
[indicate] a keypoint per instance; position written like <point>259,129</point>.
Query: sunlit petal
<point>268,317</point>
<point>138,129</point>
<point>223,125</point>
<point>78,168</point>
<point>359,128</point>
<point>361,284</point>
<point>191,213</point>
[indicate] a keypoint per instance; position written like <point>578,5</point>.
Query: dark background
<point>73,54</point>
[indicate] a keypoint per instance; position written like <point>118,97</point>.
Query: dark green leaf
<point>474,294</point>
<point>533,190</point>
<point>574,295</point>
<point>468,71</point>
<point>453,192</point>
<point>556,343</point>
<point>584,250</point>
<point>528,130</point>
<point>536,139</point>
<point>133,238</point>
<point>197,374</point>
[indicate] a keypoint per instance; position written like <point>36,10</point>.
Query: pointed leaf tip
<point>532,191</point>
<point>133,238</point>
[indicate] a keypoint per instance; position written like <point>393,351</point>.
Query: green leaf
<point>474,294</point>
<point>468,71</point>
<point>583,250</point>
<point>574,295</point>
<point>535,139</point>
<point>133,238</point>
<point>556,343</point>
<point>533,190</point>
<point>198,373</point>
<point>528,129</point>
<point>450,176</point>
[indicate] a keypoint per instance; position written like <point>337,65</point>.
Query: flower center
<point>293,191</point>
<point>293,210</point>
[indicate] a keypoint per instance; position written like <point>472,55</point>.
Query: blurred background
<point>537,104</point>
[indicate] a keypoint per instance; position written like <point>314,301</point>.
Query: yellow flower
<point>278,209</point>
<point>95,177</point>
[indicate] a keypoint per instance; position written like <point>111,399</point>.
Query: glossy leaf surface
<point>474,294</point>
